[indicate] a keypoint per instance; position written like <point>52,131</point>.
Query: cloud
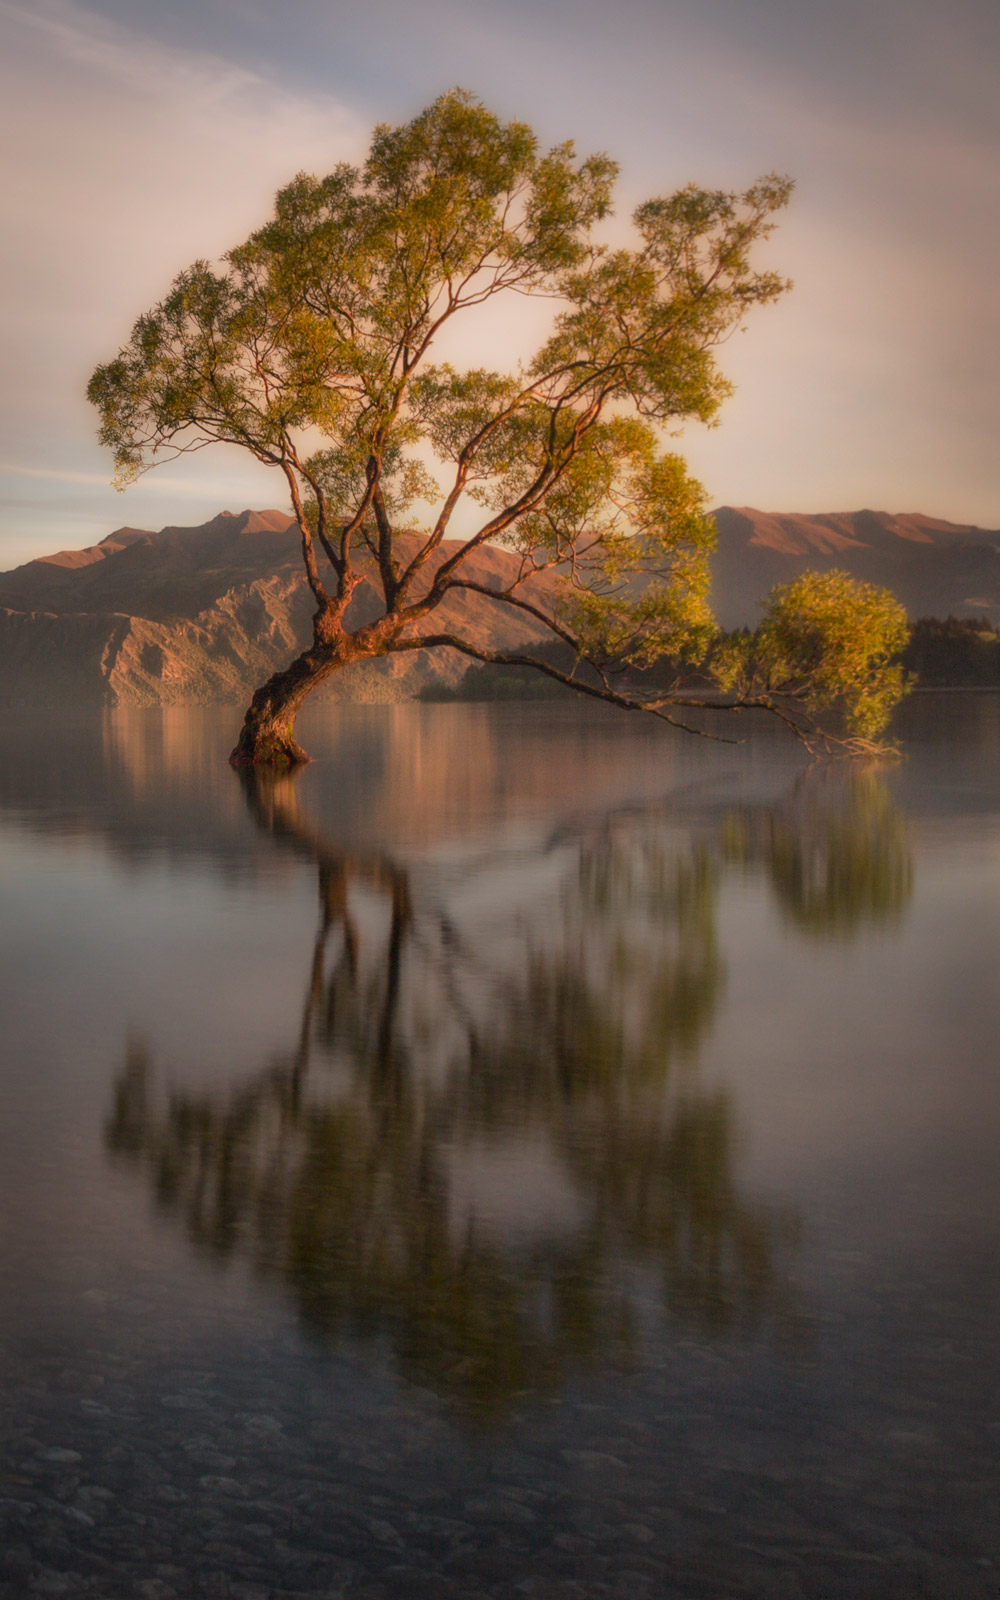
<point>198,486</point>
<point>122,160</point>
<point>51,475</point>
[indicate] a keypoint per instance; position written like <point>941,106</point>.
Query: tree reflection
<point>484,1143</point>
<point>837,855</point>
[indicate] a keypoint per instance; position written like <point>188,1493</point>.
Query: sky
<point>139,135</point>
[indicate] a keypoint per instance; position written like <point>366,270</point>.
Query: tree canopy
<point>829,643</point>
<point>311,347</point>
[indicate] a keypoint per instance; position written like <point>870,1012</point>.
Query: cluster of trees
<point>312,349</point>
<point>954,652</point>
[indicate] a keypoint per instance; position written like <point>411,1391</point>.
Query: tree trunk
<point>267,736</point>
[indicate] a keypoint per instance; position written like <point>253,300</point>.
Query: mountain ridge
<point>198,615</point>
<point>934,566</point>
<point>203,615</point>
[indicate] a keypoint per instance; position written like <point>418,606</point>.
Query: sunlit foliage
<point>828,643</point>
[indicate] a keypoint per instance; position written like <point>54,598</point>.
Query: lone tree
<point>311,350</point>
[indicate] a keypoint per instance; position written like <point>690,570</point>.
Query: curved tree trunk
<point>267,736</point>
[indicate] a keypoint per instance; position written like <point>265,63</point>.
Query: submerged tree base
<point>280,756</point>
<point>267,737</point>
<point>268,742</point>
<point>277,751</point>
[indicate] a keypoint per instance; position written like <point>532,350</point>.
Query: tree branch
<point>656,708</point>
<point>308,548</point>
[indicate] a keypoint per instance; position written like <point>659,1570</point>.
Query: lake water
<point>530,1155</point>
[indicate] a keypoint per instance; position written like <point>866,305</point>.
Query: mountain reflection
<point>487,1143</point>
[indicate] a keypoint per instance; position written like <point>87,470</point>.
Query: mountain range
<point>202,615</point>
<point>936,568</point>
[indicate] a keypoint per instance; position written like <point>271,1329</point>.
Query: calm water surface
<point>527,1155</point>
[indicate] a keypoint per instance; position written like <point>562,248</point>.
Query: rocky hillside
<point>936,568</point>
<point>202,615</point>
